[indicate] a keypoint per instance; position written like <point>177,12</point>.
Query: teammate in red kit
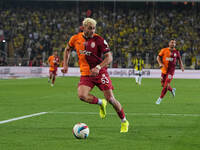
<point>90,48</point>
<point>53,65</point>
<point>169,56</point>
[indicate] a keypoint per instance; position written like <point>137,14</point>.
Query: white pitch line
<point>131,114</point>
<point>95,113</point>
<point>22,117</point>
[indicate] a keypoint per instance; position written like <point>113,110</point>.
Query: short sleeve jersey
<point>138,63</point>
<point>169,58</point>
<point>89,50</point>
<point>53,62</point>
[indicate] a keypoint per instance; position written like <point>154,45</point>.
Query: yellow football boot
<point>102,112</point>
<point>124,126</point>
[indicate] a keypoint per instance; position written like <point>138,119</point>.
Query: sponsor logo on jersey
<point>170,76</point>
<point>169,58</point>
<point>88,53</point>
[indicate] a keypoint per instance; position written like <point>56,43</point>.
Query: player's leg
<point>172,90</point>
<point>116,105</point>
<point>163,92</point>
<point>84,87</point>
<point>165,88</point>
<point>163,80</point>
<point>140,78</point>
<point>105,84</point>
<point>84,95</point>
<point>118,108</point>
<point>168,80</point>
<point>54,73</point>
<point>136,79</point>
<point>50,76</point>
<point>53,79</point>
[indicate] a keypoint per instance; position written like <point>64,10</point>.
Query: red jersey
<point>89,50</point>
<point>169,58</point>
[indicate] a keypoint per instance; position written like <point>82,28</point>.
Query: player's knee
<point>82,96</point>
<point>166,85</point>
<point>110,99</point>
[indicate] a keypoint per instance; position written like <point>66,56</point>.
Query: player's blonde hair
<point>86,21</point>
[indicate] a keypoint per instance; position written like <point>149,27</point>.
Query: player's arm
<point>66,58</point>
<point>181,64</point>
<point>57,61</point>
<point>107,60</point>
<point>142,64</point>
<point>159,62</point>
<point>134,63</point>
<point>48,61</point>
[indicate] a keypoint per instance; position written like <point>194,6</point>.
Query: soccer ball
<point>80,131</point>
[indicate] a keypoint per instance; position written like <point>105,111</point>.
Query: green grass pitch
<point>172,125</point>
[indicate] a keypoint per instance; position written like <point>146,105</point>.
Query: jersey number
<point>104,79</point>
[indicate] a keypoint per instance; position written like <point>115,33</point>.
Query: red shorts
<point>102,81</point>
<point>166,77</point>
<point>54,72</point>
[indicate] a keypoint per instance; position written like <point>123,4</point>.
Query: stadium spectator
<point>126,30</point>
<point>3,61</point>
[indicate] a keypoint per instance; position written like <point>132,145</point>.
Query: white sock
<point>124,119</point>
<point>99,101</point>
<point>140,79</point>
<point>136,79</point>
<point>159,100</point>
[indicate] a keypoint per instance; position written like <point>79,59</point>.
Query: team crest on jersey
<point>93,44</point>
<point>174,54</point>
<point>170,76</point>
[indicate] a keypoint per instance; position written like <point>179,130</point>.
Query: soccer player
<point>91,48</point>
<point>138,64</point>
<point>53,65</point>
<point>169,56</point>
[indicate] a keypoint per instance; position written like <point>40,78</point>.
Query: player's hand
<point>94,71</point>
<point>65,69</point>
<point>182,68</point>
<point>161,65</point>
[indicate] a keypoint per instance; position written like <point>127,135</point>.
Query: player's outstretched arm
<point>66,59</point>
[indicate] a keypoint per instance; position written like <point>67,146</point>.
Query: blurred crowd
<point>32,33</point>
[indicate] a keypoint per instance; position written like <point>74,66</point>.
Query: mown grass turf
<point>152,127</point>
